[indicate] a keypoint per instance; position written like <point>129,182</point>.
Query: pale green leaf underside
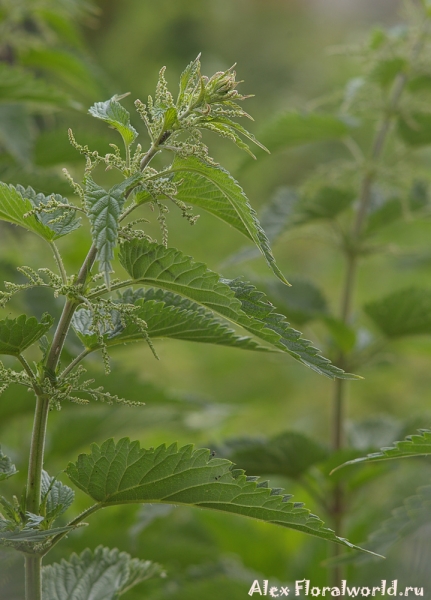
<point>167,315</point>
<point>13,207</point>
<point>216,191</point>
<point>55,497</point>
<point>100,575</point>
<point>123,473</point>
<point>116,116</point>
<point>18,334</point>
<point>412,445</point>
<point>104,209</point>
<point>60,221</point>
<point>26,538</point>
<point>7,468</point>
<point>239,302</point>
<point>402,313</point>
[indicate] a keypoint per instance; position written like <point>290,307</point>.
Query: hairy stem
<point>59,262</point>
<point>37,447</point>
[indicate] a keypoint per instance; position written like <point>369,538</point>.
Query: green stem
<point>33,577</point>
<point>36,454</point>
<point>86,513</point>
<point>75,362</point>
<point>59,262</point>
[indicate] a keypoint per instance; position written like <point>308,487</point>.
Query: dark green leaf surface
<point>116,116</point>
<point>412,445</point>
<point>215,190</point>
<point>327,203</point>
<point>289,453</point>
<point>402,313</point>
<point>7,469</point>
<point>100,575</point>
<point>18,334</point>
<point>240,302</point>
<point>167,315</point>
<point>124,473</point>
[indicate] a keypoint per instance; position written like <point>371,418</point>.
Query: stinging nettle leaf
<point>56,497</point>
<point>124,473</point>
<point>7,468</point>
<point>402,313</point>
<point>166,315</point>
<point>14,207</point>
<point>412,445</point>
<point>215,190</point>
<point>18,334</point>
<point>61,220</point>
<point>104,210</point>
<point>113,113</point>
<point>237,301</point>
<point>102,574</point>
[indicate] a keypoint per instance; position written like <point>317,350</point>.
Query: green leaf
<point>328,203</point>
<point>113,113</point>
<point>412,445</point>
<point>123,473</point>
<point>402,313</point>
<point>7,469</point>
<point>13,207</point>
<point>215,190</point>
<point>19,85</point>
<point>294,129</point>
<point>240,302</point>
<point>264,322</point>
<point>26,538</point>
<point>104,210</point>
<point>416,130</point>
<point>100,575</point>
<point>167,315</point>
<point>56,497</point>
<point>412,515</point>
<point>18,334</point>
<point>289,453</point>
<point>60,221</point>
<point>302,302</point>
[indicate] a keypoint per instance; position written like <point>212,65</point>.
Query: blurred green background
<point>203,394</point>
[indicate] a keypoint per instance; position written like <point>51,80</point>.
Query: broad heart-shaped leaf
<point>404,312</point>
<point>7,469</point>
<point>104,209</point>
<point>60,221</point>
<point>123,473</point>
<point>167,315</point>
<point>289,453</point>
<point>55,497</point>
<point>412,445</point>
<point>100,575</point>
<point>240,302</point>
<point>215,190</point>
<point>116,116</point>
<point>13,207</point>
<point>18,334</point>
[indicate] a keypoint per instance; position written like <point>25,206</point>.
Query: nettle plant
<point>166,294</point>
